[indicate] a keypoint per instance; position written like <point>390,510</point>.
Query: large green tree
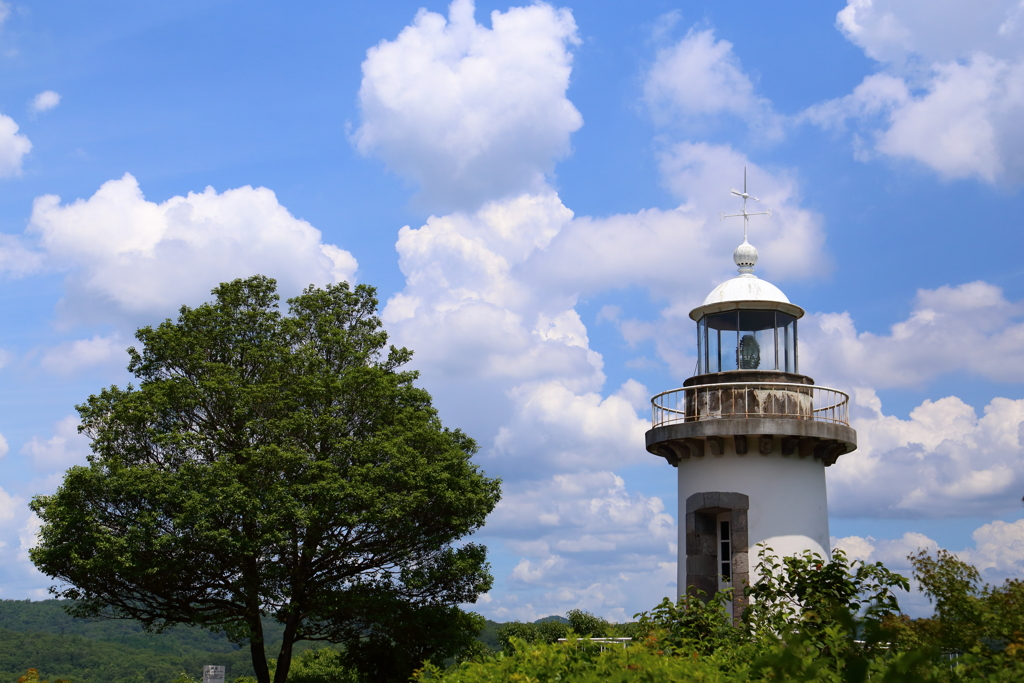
<point>270,464</point>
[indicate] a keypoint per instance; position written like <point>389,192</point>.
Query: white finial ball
<point>745,257</point>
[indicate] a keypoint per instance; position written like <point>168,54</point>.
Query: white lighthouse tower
<point>749,435</point>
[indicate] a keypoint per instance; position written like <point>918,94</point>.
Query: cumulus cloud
<point>998,549</point>
<point>62,450</point>
<point>790,242</point>
<point>492,289</point>
<point>554,429</point>
<point>490,306</point>
<point>17,259</point>
<point>890,552</point>
<point>9,506</point>
<point>70,357</point>
<point>28,536</point>
<point>13,147</point>
<point>44,101</point>
<point>970,327</point>
<point>701,77</point>
<point>949,94</point>
<point>898,31</point>
<point>129,257</point>
<point>471,113</point>
<point>583,541</point>
<point>998,553</point>
<point>944,460</point>
<point>495,290</point>
<point>470,310</point>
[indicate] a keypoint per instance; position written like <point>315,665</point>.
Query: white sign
<point>213,674</point>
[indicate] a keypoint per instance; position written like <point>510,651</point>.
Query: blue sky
<point>535,191</point>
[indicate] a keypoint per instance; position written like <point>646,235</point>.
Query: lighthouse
<point>749,436</point>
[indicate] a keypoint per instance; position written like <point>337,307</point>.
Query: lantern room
<point>746,324</point>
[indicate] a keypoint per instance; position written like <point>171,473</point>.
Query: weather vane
<point>744,213</point>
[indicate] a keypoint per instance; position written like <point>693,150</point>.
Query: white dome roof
<point>747,292</point>
<point>745,288</point>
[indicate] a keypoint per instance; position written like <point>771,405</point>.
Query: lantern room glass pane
<point>787,342</point>
<point>702,347</point>
<point>757,340</point>
<point>721,341</point>
<point>788,329</point>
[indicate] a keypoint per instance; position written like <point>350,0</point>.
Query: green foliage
<point>538,632</point>
<point>691,625</point>
<point>574,662</point>
<point>268,465</point>
<point>325,665</point>
<point>811,620</point>
<point>50,616</point>
<point>808,592</point>
<point>400,641</point>
<point>953,586</point>
<point>585,624</point>
<point>984,622</point>
<point>85,660</point>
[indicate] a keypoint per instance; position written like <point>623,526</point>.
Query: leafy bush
<point>586,624</point>
<point>543,632</point>
<point>320,666</point>
<point>691,625</point>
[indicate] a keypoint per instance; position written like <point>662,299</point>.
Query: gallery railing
<point>751,400</point>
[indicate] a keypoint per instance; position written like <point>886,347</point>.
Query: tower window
<point>725,551</point>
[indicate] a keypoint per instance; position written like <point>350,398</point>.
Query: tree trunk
<point>258,650</point>
<point>259,661</point>
<point>284,659</point>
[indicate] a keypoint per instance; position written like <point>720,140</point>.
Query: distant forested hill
<point>43,636</point>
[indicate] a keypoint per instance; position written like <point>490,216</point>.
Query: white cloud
<point>700,77</point>
<point>968,123</point>
<point>876,94</point>
<point>998,549</point>
<point>951,91</point>
<point>17,260</point>
<point>584,541</point>
<point>9,506</point>
<point>942,461</point>
<point>490,302</point>
<point>490,305</point>
<point>471,113</point>
<point>554,429</point>
<point>790,242</point>
<point>29,536</point>
<point>898,31</point>
<point>70,357</point>
<point>468,309</point>
<point>13,147</point>
<point>62,450</point>
<point>998,553</point>
<point>131,257</point>
<point>890,552</point>
<point>44,101</point>
<point>968,327</point>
